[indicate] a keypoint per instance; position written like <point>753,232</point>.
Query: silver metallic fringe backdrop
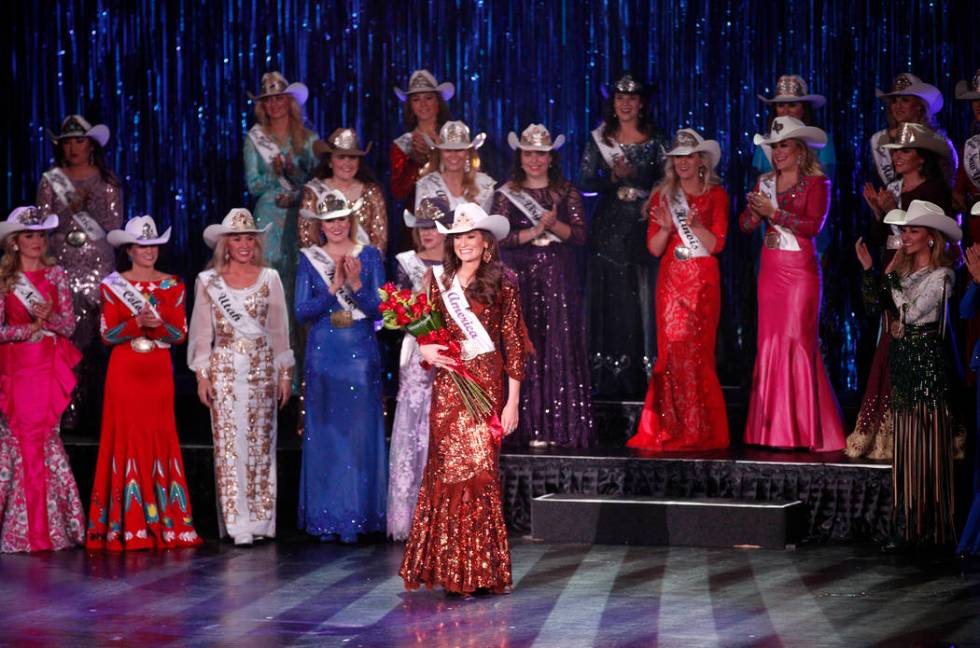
<point>170,80</point>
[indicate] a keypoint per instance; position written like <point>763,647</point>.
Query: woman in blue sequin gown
<point>343,480</point>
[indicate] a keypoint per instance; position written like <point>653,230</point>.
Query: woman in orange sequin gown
<point>458,538</point>
<point>684,407</point>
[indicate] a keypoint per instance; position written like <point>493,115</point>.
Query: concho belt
<point>341,319</point>
<point>142,344</point>
<point>77,238</point>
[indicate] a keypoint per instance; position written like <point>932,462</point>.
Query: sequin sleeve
<point>513,332</point>
<point>11,332</point>
<point>806,220</point>
<point>745,221</point>
<point>313,298</point>
<point>718,204</point>
<point>200,337</point>
<point>374,217</point>
<point>923,302</point>
<point>874,295</point>
<point>62,318</point>
<point>372,278</point>
<point>118,324</point>
<point>309,228</point>
<point>172,308</point>
<point>404,174</point>
<point>593,172</point>
<point>575,216</point>
<point>46,197</point>
<point>278,324</point>
<point>258,176</point>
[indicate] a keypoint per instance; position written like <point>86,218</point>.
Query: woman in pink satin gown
<point>39,504</point>
<point>792,404</point>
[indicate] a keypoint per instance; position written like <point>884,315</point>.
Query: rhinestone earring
<point>701,173</point>
<point>932,242</point>
<point>467,167</point>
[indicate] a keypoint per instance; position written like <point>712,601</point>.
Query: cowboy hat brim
<point>939,222</point>
<point>297,91</point>
<point>497,225</point>
<point>332,215</point>
<point>118,238</point>
<point>963,92</point>
<point>212,233</point>
<point>8,226</point>
<point>811,135</point>
<point>816,100</point>
<point>100,133</point>
<point>446,90</point>
<point>927,93</point>
<point>515,143</point>
<point>937,146</point>
<point>329,149</point>
<point>475,143</point>
<point>711,147</point>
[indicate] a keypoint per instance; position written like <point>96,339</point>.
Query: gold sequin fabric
<point>459,539</point>
<point>372,216</point>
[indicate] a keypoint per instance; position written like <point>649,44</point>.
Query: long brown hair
<point>943,253</point>
<point>297,131</point>
<point>412,122</point>
<point>96,159</point>
<point>489,276</point>
<point>10,262</point>
<point>518,176</point>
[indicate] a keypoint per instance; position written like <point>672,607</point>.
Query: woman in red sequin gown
<point>139,496</point>
<point>684,407</point>
<point>458,538</point>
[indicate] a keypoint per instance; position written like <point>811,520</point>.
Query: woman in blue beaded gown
<point>623,158</point>
<point>343,480</point>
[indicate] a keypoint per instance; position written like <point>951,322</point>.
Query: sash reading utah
<point>610,153</point>
<point>787,240</point>
<point>530,208</point>
<point>326,268</point>
<point>680,212</point>
<point>477,340</point>
<point>27,293</point>
<point>268,151</point>
<point>971,160</point>
<point>64,191</point>
<point>415,268</point>
<point>231,305</point>
<point>882,158</point>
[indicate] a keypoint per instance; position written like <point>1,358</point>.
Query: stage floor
<point>297,592</point>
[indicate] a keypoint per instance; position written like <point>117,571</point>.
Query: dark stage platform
<point>303,593</point>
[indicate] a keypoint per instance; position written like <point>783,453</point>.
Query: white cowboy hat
<point>688,140</point>
<point>791,88</point>
<point>922,213</point>
<point>423,81</point>
<point>141,230</point>
<point>969,91</point>
<point>470,216</point>
<point>78,126</point>
<point>535,138</point>
<point>919,136</point>
<point>27,219</point>
<point>975,210</point>
<point>344,141</point>
<point>427,214</point>
<point>273,84</point>
<point>455,136</point>
<point>784,128</point>
<point>909,85</point>
<point>237,221</point>
<point>334,204</point>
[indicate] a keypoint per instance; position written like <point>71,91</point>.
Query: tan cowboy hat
<point>237,221</point>
<point>344,141</point>
<point>688,140</point>
<point>470,216</point>
<point>27,219</point>
<point>423,81</point>
<point>909,85</point>
<point>784,128</point>
<point>273,84</point>
<point>334,204</point>
<point>455,136</point>
<point>78,126</point>
<point>427,214</point>
<point>791,88</point>
<point>141,230</point>
<point>922,213</point>
<point>919,136</point>
<point>969,91</point>
<point>535,138</point>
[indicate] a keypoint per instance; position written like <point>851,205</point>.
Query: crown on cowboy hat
<point>922,213</point>
<point>274,84</point>
<point>909,85</point>
<point>791,88</point>
<point>333,204</point>
<point>423,81</point>
<point>784,128</point>
<point>27,219</point>
<point>535,138</point>
<point>969,91</point>
<point>455,136</point>
<point>78,126</point>
<point>237,221</point>
<point>141,230</point>
<point>919,136</point>
<point>626,84</point>
<point>344,141</point>
<point>427,214</point>
<point>470,216</point>
<point>688,141</point>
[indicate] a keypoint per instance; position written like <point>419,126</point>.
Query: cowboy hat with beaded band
<point>909,85</point>
<point>535,138</point>
<point>470,216</point>
<point>334,204</point>
<point>455,136</point>
<point>688,141</point>
<point>969,91</point>
<point>423,81</point>
<point>792,88</point>
<point>237,221</point>
<point>344,141</point>
<point>626,84</point>
<point>27,219</point>
<point>922,213</point>
<point>784,128</point>
<point>427,214</point>
<point>918,136</point>
<point>139,230</point>
<point>274,84</point>
<point>78,126</point>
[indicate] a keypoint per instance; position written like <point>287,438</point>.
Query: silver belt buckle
<point>682,253</point>
<point>142,344</point>
<point>77,238</point>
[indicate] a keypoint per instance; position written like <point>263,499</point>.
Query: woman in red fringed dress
<point>684,408</point>
<point>140,498</point>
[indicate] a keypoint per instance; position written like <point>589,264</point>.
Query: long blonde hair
<point>298,133</point>
<point>942,254</point>
<point>809,165</point>
<point>219,260</point>
<point>470,190</point>
<point>10,262</point>
<point>667,187</point>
